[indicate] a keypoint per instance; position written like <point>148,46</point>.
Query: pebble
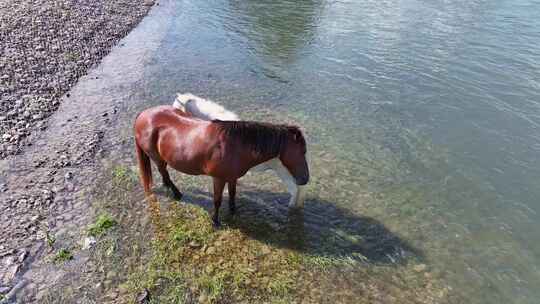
<point>112,274</point>
<point>112,295</point>
<point>12,271</point>
<point>203,298</point>
<point>265,250</point>
<point>17,287</point>
<point>419,267</point>
<point>89,242</point>
<point>22,256</point>
<point>143,297</point>
<point>41,235</point>
<point>4,289</point>
<point>194,244</point>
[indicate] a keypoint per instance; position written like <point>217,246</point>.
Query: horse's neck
<point>258,161</point>
<point>267,165</point>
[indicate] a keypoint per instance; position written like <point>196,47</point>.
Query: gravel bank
<point>45,46</point>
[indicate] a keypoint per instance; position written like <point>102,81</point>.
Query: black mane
<point>262,137</point>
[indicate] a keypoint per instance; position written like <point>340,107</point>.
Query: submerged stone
<point>420,267</point>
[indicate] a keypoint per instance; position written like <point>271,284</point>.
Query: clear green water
<point>422,119</point>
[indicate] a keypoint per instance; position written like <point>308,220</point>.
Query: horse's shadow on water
<point>319,229</point>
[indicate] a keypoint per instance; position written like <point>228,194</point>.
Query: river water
<point>421,116</point>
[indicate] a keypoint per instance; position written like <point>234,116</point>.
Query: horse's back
<point>162,117</point>
<point>181,141</point>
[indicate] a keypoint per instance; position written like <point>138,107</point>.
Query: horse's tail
<point>145,168</point>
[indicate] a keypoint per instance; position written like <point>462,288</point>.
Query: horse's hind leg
<point>162,167</point>
<point>219,184</point>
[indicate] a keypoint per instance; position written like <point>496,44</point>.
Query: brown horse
<point>225,150</point>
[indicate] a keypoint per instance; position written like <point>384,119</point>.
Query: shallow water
<point>421,117</point>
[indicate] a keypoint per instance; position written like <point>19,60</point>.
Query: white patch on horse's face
<point>293,157</point>
<point>297,198</point>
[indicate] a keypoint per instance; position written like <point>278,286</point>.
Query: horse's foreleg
<point>232,196</point>
<point>162,167</point>
<point>219,185</point>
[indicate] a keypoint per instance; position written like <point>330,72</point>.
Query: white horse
<point>209,110</point>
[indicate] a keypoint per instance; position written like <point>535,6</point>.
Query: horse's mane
<point>203,108</point>
<point>262,137</point>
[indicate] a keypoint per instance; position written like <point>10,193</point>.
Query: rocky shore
<point>45,46</point>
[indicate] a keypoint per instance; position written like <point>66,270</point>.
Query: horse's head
<point>293,156</point>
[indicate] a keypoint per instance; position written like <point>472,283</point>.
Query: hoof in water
<point>176,194</point>
<point>150,197</point>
